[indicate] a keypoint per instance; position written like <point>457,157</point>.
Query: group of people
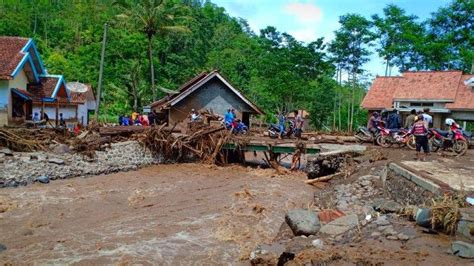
<point>135,119</point>
<point>37,118</point>
<point>417,123</point>
<point>296,123</point>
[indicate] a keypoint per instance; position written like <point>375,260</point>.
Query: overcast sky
<point>308,20</point>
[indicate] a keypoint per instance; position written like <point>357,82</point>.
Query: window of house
<point>422,104</point>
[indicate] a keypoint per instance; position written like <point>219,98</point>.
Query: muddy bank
<point>171,214</point>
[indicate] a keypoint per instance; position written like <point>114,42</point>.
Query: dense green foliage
<point>186,37</point>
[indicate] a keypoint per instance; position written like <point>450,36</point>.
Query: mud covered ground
<point>187,213</point>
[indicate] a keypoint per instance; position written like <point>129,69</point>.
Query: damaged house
<point>205,92</point>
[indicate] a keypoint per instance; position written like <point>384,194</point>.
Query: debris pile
<point>205,143</point>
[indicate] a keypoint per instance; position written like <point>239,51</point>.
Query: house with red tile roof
<point>205,92</point>
<point>26,87</point>
<point>445,93</point>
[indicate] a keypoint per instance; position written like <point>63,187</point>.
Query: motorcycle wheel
<point>460,147</point>
<point>411,143</point>
<point>243,132</point>
<point>433,146</point>
<point>361,138</point>
<point>382,141</point>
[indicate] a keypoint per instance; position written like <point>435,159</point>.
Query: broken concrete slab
<point>340,225</point>
<point>303,222</point>
<point>387,206</point>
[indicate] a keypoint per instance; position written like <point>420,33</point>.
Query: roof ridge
<point>432,71</point>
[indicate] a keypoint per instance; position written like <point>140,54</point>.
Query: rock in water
<point>43,179</point>
<point>463,249</point>
<point>56,161</point>
<point>423,217</point>
<point>303,222</point>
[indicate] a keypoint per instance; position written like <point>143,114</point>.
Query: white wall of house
<point>69,112</point>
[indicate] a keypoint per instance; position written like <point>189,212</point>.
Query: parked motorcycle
<point>389,137</point>
<point>441,139</point>
<point>274,130</point>
<point>237,128</point>
<point>365,135</point>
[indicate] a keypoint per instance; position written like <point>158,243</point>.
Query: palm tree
<point>154,17</point>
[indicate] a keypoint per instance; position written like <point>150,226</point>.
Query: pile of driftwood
<point>205,143</point>
<point>27,139</point>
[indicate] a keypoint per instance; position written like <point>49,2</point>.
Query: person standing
<point>281,124</point>
<point>62,122</point>
<point>427,118</point>
<point>420,131</point>
<point>410,119</point>
<point>228,118</point>
<point>394,120</point>
<point>298,124</point>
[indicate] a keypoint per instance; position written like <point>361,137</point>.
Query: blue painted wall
<point>4,94</point>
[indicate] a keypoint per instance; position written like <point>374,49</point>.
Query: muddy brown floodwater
<point>178,214</point>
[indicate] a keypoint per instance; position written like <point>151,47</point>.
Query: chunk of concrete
<point>303,222</point>
<point>6,151</point>
<point>340,225</point>
<point>387,206</point>
<point>463,249</point>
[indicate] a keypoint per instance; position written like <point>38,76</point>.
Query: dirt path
<point>167,213</point>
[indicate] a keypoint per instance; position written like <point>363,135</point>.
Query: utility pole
<point>101,70</point>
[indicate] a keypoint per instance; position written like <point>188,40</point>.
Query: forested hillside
<point>186,37</point>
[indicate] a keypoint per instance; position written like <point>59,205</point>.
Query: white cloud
<point>305,12</point>
<point>304,34</point>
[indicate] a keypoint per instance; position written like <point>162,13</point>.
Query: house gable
<point>203,81</point>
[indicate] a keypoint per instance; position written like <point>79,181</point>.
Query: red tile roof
<point>432,85</point>
<point>422,85</point>
<point>380,95</point>
<point>10,55</point>
<point>44,89</point>
<point>465,96</point>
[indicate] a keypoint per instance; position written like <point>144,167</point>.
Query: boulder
<point>2,248</point>
<point>56,161</point>
<point>6,151</point>
<point>317,243</point>
<point>340,225</point>
<point>423,217</point>
<point>387,206</point>
<point>43,179</point>
<point>463,249</point>
<point>266,254</point>
<point>303,222</point>
<point>61,149</point>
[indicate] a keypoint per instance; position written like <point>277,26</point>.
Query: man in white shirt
<point>427,118</point>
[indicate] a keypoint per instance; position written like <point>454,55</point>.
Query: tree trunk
<point>472,66</point>
<point>386,68</point>
<point>152,69</point>
<point>352,101</point>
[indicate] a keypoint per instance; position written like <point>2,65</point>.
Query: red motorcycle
<point>441,139</point>
<point>389,137</point>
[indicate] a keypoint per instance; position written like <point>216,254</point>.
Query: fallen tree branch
<point>324,178</point>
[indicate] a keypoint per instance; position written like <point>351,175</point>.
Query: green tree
<point>155,18</point>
